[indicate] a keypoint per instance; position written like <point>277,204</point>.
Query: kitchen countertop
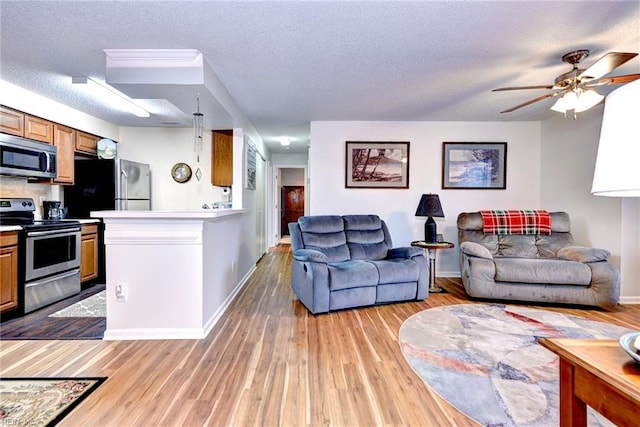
<point>203,214</point>
<point>4,228</point>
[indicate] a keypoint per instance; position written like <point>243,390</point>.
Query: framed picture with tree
<point>474,165</point>
<point>377,164</point>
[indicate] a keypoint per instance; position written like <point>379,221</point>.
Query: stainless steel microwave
<point>26,157</point>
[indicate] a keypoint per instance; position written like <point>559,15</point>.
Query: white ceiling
<point>285,64</point>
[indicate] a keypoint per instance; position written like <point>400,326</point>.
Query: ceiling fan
<point>575,86</point>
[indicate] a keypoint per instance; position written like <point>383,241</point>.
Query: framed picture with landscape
<point>474,165</point>
<point>377,164</point>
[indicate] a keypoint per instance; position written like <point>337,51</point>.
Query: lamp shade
<point>617,173</point>
<point>429,205</point>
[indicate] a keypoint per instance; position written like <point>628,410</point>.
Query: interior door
<point>293,201</point>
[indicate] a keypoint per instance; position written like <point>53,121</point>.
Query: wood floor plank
<point>267,362</point>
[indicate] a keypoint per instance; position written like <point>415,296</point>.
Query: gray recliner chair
<point>537,268</point>
<point>348,261</point>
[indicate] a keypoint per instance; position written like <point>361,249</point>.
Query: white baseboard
<point>630,300</point>
<point>227,302</point>
<point>179,333</point>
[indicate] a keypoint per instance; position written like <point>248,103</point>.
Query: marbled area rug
<point>94,306</point>
<point>484,359</point>
<point>42,401</point>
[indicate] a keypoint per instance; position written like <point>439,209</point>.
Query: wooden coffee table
<point>597,373</point>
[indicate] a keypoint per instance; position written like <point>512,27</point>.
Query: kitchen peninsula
<point>169,275</point>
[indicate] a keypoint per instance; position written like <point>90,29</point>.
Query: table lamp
<point>430,206</point>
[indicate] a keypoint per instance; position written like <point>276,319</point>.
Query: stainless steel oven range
<point>49,255</point>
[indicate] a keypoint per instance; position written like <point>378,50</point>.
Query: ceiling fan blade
<point>606,64</point>
<point>616,80</point>
<point>540,98</point>
<point>522,87</point>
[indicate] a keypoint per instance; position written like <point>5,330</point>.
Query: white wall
<point>162,148</point>
<point>397,206</point>
<point>292,177</point>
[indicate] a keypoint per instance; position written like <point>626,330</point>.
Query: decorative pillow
<point>583,254</point>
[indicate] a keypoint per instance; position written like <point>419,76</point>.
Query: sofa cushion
<point>325,233</point>
<point>352,274</point>
<point>365,237</point>
<point>542,270</point>
<point>397,270</point>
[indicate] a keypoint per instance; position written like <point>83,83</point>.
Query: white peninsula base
<point>170,275</point>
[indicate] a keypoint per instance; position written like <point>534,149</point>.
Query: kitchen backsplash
<point>20,187</point>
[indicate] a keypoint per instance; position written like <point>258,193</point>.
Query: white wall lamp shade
<point>617,171</point>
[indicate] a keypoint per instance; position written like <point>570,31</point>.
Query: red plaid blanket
<point>516,222</point>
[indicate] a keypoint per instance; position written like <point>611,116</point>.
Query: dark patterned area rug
<point>485,359</point>
<point>42,401</point>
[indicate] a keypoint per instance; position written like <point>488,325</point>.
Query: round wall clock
<point>181,172</point>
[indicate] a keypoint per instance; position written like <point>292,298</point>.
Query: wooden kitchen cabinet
<point>38,129</point>
<point>222,158</point>
<point>89,252</point>
<point>65,139</point>
<point>8,271</point>
<point>11,121</point>
<point>86,143</point>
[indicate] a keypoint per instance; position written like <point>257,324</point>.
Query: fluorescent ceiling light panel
<point>110,95</point>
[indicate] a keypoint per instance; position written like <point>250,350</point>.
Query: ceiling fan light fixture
<point>587,99</point>
<point>560,106</point>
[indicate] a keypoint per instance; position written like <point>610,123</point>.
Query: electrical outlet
<point>121,292</point>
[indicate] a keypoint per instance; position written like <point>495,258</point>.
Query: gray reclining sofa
<point>536,268</point>
<point>348,261</point>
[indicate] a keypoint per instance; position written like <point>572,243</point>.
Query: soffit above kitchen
<point>285,64</point>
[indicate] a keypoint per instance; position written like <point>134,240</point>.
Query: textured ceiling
<point>285,64</point>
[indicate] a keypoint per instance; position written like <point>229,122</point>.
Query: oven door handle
<point>53,278</point>
<point>52,232</point>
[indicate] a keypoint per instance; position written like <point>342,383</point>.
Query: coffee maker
<point>51,210</point>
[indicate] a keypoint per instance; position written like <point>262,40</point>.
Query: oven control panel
<point>17,205</point>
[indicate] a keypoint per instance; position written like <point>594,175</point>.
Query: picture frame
<point>474,165</point>
<point>377,164</point>
<point>250,164</point>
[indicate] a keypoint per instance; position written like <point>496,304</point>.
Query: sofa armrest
<point>404,252</point>
<point>583,254</point>
<point>310,255</point>
<point>475,249</point>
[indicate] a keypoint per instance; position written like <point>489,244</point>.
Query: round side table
<point>430,252</point>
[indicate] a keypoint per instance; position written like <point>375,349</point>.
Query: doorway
<point>291,196</point>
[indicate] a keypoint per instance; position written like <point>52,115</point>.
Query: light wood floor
<point>268,362</point>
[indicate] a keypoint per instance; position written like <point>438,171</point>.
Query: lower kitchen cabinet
<point>8,271</point>
<point>89,253</point>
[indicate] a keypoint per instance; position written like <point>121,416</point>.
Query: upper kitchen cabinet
<point>222,158</point>
<point>65,139</point>
<point>11,121</point>
<point>87,143</point>
<point>38,129</point>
